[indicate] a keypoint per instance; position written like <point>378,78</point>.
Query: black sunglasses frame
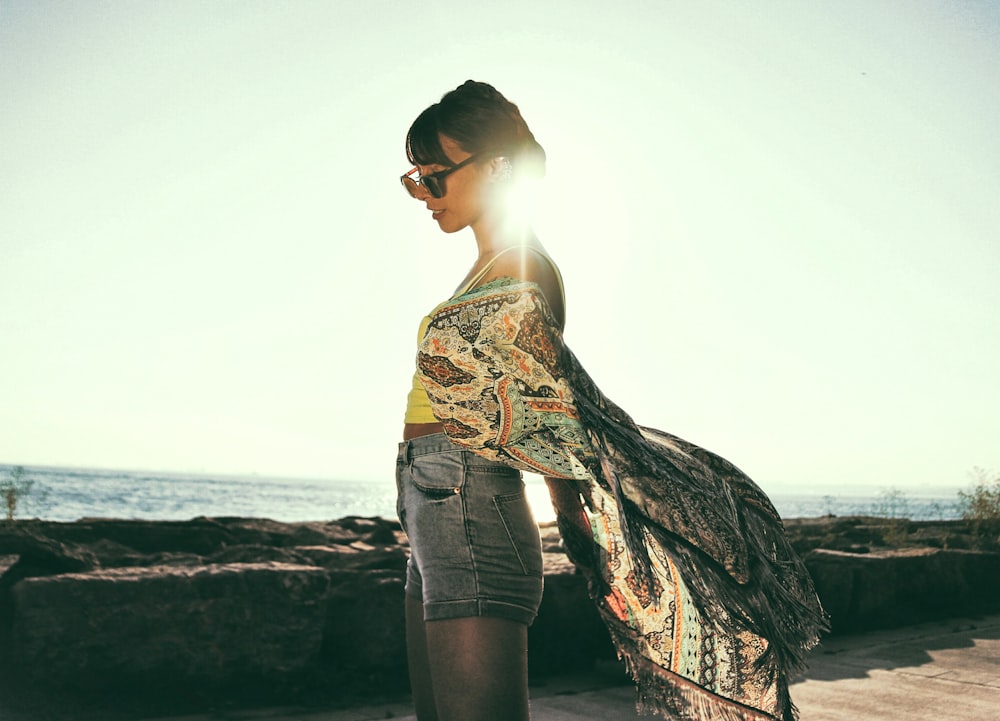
<point>434,182</point>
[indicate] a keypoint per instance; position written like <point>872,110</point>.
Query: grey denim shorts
<point>474,545</point>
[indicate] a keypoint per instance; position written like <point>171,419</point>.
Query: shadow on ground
<point>855,656</point>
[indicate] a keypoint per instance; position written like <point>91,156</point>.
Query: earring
<point>505,171</point>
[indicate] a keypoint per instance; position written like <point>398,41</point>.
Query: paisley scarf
<point>686,558</point>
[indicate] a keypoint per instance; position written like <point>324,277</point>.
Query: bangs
<point>423,141</point>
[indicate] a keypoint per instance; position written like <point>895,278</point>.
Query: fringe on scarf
<point>777,602</point>
<point>659,691</point>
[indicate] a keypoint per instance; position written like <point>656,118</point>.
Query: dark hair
<point>480,120</point>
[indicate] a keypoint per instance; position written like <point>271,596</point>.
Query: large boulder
<point>568,634</point>
<point>900,587</point>
<point>365,631</point>
<point>169,625</point>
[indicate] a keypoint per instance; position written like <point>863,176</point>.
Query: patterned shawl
<point>686,558</point>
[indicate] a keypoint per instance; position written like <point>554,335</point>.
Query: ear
<point>500,169</point>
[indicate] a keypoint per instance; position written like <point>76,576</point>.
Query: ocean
<point>69,494</point>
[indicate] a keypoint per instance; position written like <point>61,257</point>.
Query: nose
<point>420,192</point>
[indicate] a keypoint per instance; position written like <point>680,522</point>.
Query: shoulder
<point>532,265</point>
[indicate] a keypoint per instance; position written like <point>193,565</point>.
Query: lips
<point>436,213</point>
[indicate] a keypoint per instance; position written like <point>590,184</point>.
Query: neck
<point>504,232</point>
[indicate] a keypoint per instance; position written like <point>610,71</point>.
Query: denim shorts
<point>474,545</point>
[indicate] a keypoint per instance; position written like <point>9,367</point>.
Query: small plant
<point>14,490</point>
<point>938,511</point>
<point>894,507</point>
<point>981,507</point>
<point>892,504</point>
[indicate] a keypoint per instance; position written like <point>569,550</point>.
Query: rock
<point>365,632</point>
<point>895,588</point>
<point>199,536</point>
<point>36,555</point>
<point>354,558</point>
<point>375,531</point>
<point>48,554</point>
<point>860,534</point>
<point>254,605</point>
<point>256,553</point>
<point>166,625</point>
<point>7,563</point>
<point>568,634</point>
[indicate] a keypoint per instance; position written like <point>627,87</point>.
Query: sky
<point>777,222</point>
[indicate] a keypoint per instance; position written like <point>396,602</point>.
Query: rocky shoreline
<point>252,610</point>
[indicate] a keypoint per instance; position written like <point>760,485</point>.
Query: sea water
<point>69,494</point>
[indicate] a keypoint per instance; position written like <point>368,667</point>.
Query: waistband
<point>425,445</point>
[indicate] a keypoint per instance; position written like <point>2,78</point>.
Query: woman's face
<point>462,204</point>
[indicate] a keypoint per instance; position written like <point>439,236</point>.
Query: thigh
<point>479,668</point>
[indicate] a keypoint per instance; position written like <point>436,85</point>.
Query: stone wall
<point>885,589</point>
<point>279,611</point>
<point>236,605</point>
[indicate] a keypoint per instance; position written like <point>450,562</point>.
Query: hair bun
<point>481,120</point>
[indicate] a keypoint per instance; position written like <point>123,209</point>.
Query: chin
<point>450,227</point>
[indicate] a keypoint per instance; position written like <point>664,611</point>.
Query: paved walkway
<point>945,670</point>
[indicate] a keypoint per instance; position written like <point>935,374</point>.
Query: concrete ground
<point>944,670</point>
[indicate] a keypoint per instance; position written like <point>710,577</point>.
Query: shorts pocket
<point>521,530</point>
<point>438,476</point>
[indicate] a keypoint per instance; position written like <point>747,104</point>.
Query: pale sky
<point>778,223</point>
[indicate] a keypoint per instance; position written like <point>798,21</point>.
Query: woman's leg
<point>479,667</point>
<point>420,667</point>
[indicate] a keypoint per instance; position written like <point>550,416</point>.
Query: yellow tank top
<point>418,405</point>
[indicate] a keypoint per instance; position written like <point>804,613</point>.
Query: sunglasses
<point>434,182</point>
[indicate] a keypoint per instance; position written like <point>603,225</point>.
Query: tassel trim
<point>661,692</point>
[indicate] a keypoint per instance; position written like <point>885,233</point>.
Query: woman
<point>474,580</point>
<point>686,558</point>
